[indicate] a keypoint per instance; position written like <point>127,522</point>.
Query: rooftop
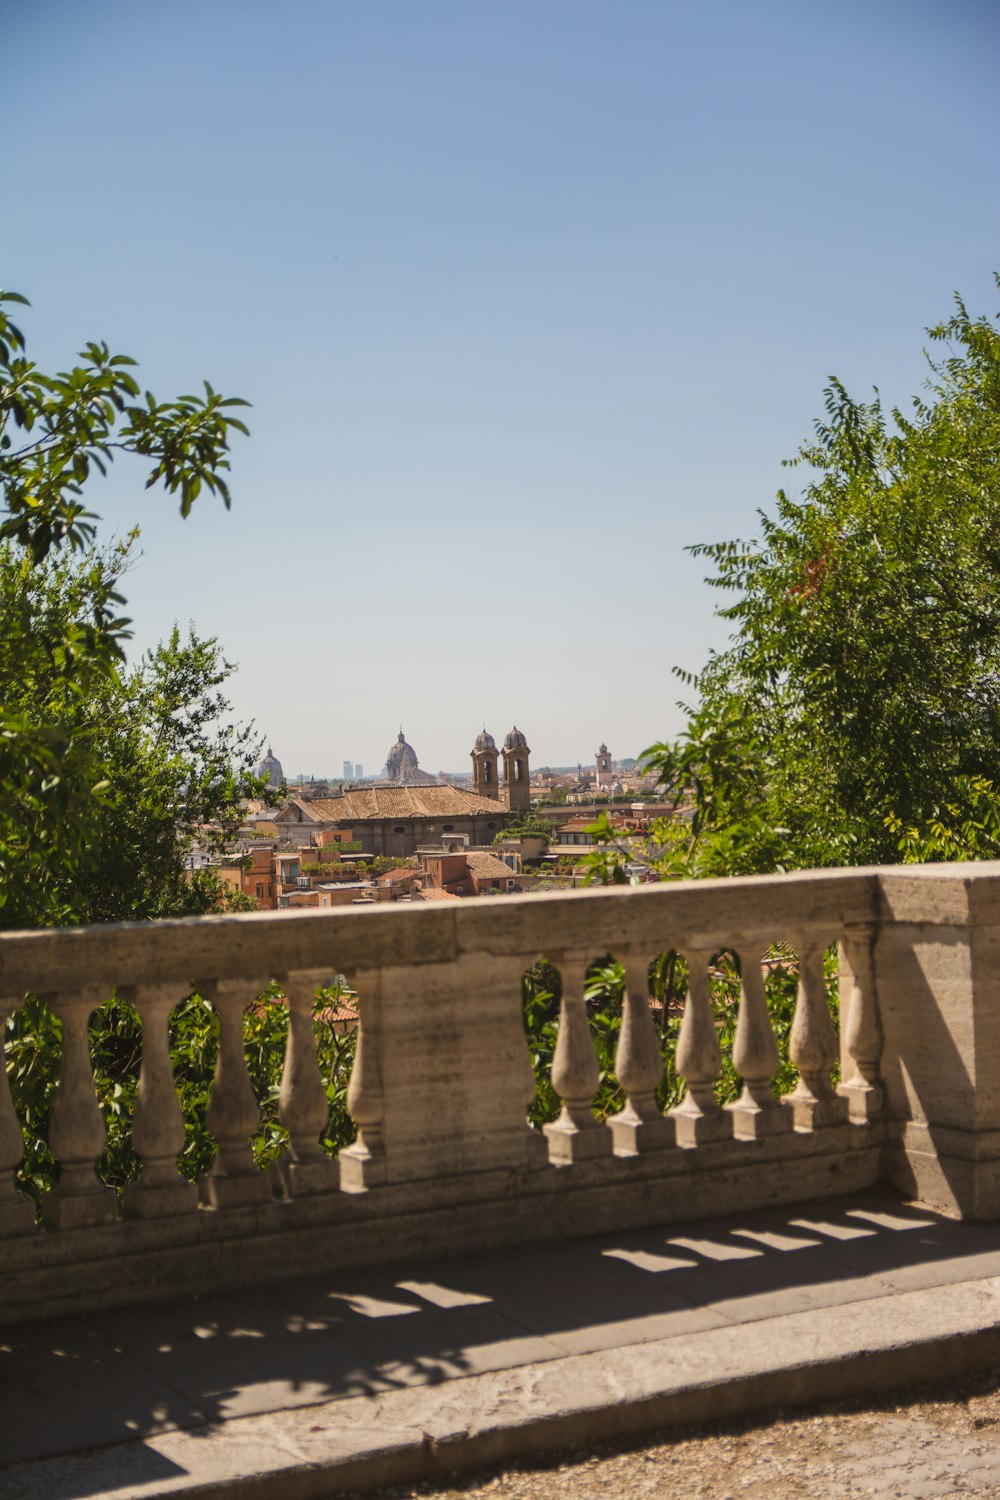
<point>373,802</point>
<point>485,866</point>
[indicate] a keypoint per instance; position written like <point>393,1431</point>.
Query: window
<point>260,889</point>
<point>399,829</point>
<point>448,827</point>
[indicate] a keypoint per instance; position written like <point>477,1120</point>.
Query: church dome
<point>485,741</point>
<point>515,740</point>
<point>401,758</point>
<point>270,769</point>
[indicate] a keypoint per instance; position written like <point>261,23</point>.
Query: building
<point>485,766</point>
<point>408,809</point>
<point>605,776</point>
<point>348,771</point>
<point>393,820</point>
<point>401,767</point>
<point>254,875</point>
<point>397,884</point>
<point>470,872</point>
<point>516,775</point>
<point>270,769</point>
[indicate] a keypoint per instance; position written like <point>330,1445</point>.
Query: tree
<point>854,717</point>
<point>527,824</point>
<point>104,768</point>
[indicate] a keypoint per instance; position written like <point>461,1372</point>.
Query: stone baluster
<point>158,1127</point>
<point>303,1107</point>
<point>641,1125</point>
<point>363,1164</point>
<point>577,1134</point>
<point>76,1131</point>
<point>758,1111</point>
<point>860,1032</point>
<point>812,1045</point>
<point>699,1118</point>
<point>233,1115</point>
<point>17,1215</point>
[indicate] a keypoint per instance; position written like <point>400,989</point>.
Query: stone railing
<point>444,1158</point>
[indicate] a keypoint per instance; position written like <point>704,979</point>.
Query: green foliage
<point>78,420</point>
<point>855,716</point>
<point>527,825</point>
<point>379,864</point>
<point>965,827</point>
<point>104,769</point>
<point>142,758</point>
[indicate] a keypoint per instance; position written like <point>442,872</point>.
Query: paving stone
<point>367,1380</point>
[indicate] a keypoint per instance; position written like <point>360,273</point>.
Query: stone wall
<point>445,1160</point>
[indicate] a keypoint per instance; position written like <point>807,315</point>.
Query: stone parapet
<point>444,1158</point>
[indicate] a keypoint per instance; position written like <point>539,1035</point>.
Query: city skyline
<point>374,767</point>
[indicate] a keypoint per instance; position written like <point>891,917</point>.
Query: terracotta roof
<point>400,872</point>
<point>373,802</point>
<point>487,866</point>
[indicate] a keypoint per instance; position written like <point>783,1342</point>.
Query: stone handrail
<point>444,1156</point>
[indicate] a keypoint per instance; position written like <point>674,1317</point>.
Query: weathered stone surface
<point>444,1158</point>
<point>353,1384</point>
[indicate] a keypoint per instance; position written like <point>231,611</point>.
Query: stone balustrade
<point>444,1158</point>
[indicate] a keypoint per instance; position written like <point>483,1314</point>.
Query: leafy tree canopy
<point>105,768</point>
<point>854,717</point>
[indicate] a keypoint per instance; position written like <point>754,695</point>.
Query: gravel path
<point>922,1442</point>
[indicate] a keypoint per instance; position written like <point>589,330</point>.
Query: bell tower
<point>517,785</point>
<point>484,766</point>
<point>604,773</point>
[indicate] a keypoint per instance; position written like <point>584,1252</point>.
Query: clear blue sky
<point>527,295</point>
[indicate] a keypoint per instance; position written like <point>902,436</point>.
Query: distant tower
<point>359,771</point>
<point>484,766</point>
<point>604,776</point>
<point>348,770</point>
<point>515,771</point>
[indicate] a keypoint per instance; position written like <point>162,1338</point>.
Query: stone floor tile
<point>64,1387</point>
<point>587,1338</point>
<point>888,1254</point>
<point>229,1375</point>
<point>442,1344</point>
<point>248,1314</point>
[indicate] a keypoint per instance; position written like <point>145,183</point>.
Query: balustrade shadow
<point>113,1377</point>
